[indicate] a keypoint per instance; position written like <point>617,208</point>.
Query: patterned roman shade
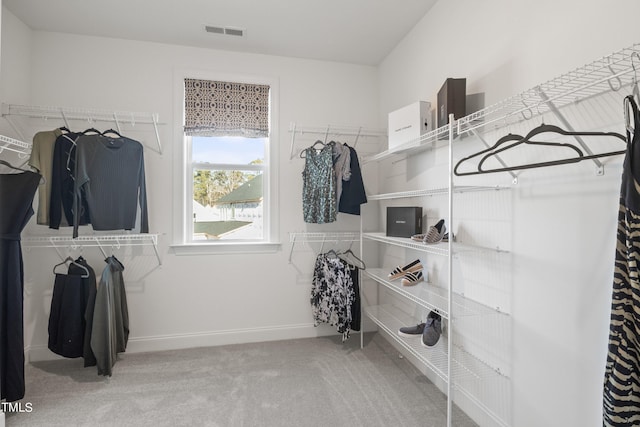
<point>214,108</point>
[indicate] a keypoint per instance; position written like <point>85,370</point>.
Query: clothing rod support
<point>15,128</point>
<point>293,244</point>
<point>293,139</point>
<point>155,128</point>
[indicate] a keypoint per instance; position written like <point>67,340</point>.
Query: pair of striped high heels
<point>411,273</point>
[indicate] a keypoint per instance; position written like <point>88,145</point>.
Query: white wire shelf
<point>67,114</point>
<point>390,319</point>
<point>338,236</point>
<point>432,297</point>
<point>609,73</point>
<point>441,248</point>
<point>332,131</point>
<point>430,140</point>
<point>101,241</point>
<point>433,192</point>
<point>470,376</point>
<point>405,242</point>
<point>322,237</point>
<point>14,145</point>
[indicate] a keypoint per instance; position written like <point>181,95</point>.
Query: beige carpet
<point>304,382</point>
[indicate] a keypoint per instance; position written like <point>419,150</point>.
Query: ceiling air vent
<point>238,32</point>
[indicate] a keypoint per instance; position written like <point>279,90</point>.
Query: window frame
<point>184,167</point>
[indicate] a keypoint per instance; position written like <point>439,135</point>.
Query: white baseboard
<point>36,353</point>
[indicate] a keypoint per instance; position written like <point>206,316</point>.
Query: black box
<point>452,98</point>
<point>404,221</point>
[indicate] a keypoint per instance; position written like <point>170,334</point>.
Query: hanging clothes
<point>110,171</point>
<point>87,352</point>
<point>341,165</point>
<point>17,192</point>
<point>62,184</point>
<point>353,192</point>
<point>41,159</point>
<point>355,305</point>
<point>621,398</point>
<point>67,323</point>
<point>110,330</point>
<point>332,293</point>
<point>319,205</point>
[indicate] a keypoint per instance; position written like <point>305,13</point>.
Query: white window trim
<point>182,161</point>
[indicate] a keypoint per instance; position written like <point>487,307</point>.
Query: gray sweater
<point>110,171</point>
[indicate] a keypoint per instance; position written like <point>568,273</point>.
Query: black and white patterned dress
<point>332,293</point>
<point>621,399</point>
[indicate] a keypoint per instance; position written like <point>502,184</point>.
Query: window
<point>228,189</point>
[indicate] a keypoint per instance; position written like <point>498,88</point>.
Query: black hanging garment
<point>621,398</point>
<point>67,324</point>
<point>355,306</point>
<point>16,197</point>
<point>62,184</point>
<point>65,318</point>
<point>353,192</point>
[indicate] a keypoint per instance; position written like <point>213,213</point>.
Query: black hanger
<point>362,265</point>
<point>64,129</point>
<point>71,261</point>
<point>4,162</point>
<point>507,138</point>
<point>555,129</point>
<point>112,131</point>
<point>544,128</point>
<point>91,130</point>
<point>322,145</point>
<point>332,253</point>
<point>7,164</point>
<point>527,141</point>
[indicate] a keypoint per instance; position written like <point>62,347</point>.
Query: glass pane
<point>228,150</point>
<point>227,205</point>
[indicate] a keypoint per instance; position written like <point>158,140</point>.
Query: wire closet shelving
<point>15,145</point>
<point>67,114</point>
<point>101,241</point>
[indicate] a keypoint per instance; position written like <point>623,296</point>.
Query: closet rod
<point>337,131</point>
<point>15,145</point>
<point>67,114</point>
<point>112,240</point>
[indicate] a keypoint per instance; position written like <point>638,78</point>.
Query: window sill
<point>224,248</point>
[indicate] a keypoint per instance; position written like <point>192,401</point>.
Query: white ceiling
<point>354,31</point>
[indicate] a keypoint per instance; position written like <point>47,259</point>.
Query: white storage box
<point>407,124</point>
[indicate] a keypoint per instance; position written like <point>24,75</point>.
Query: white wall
<point>188,300</point>
<point>562,221</point>
<point>16,64</point>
